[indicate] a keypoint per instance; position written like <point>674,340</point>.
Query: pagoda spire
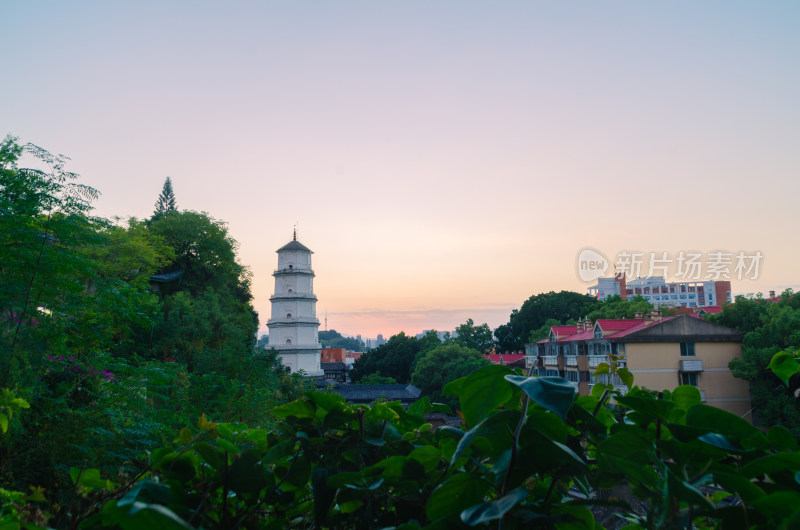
<point>294,235</point>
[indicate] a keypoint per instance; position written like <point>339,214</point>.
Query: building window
<point>687,349</point>
<point>598,333</point>
<point>288,315</point>
<point>689,378</point>
<point>288,341</point>
<point>290,289</point>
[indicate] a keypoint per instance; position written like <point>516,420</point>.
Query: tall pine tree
<point>166,201</point>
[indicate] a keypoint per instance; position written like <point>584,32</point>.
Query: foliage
<point>529,454</point>
<point>768,328</point>
<point>376,379</point>
<point>443,364</point>
<point>475,337</point>
<point>110,369</point>
<point>166,200</point>
<point>396,358</point>
<point>537,310</point>
<point>334,339</point>
<point>616,307</point>
<point>9,404</point>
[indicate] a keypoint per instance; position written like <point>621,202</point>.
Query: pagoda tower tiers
<point>293,326</point>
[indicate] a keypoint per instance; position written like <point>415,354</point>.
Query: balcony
<point>571,360</point>
<point>691,365</point>
<point>595,360</point>
<point>551,360</point>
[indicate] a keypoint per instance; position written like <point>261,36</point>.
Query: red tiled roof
<point>583,335</point>
<point>504,358</point>
<point>712,309</point>
<point>564,331</point>
<point>617,324</point>
<point>640,325</point>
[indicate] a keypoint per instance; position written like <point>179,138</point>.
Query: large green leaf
<point>247,475</point>
<point>456,494</point>
<point>300,408</point>
<point>651,407</point>
<point>489,511</point>
<point>480,392</point>
<point>686,396</point>
<point>712,419</point>
<point>553,393</point>
<point>784,364</point>
<point>145,516</point>
<point>772,464</point>
<point>498,427</point>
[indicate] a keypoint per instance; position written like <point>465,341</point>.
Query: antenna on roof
<point>294,235</point>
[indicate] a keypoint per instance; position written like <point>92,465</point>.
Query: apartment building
<point>661,353</point>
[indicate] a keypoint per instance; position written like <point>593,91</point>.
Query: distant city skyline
<point>443,161</point>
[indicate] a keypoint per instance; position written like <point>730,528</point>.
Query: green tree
<point>166,200</point>
<point>376,379</point>
<point>768,328</point>
<point>395,359</point>
<point>443,364</point>
<point>334,339</point>
<point>616,307</point>
<point>475,337</point>
<point>537,310</point>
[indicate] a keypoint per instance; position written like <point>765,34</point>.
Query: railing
<point>551,359</point>
<point>595,360</point>
<point>293,320</point>
<point>294,296</point>
<point>287,270</point>
<point>572,360</point>
<point>691,365</point>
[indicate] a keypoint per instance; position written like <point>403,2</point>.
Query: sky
<point>444,160</point>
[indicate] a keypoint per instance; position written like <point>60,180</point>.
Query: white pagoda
<point>294,327</point>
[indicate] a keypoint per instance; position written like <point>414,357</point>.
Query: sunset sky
<point>444,160</point>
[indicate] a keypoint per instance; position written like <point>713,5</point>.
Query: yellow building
<point>661,353</point>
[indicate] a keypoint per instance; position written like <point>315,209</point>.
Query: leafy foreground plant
<point>531,454</point>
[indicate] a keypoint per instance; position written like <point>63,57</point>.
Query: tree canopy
<point>110,361</point>
<point>537,310</point>
<point>443,364</point>
<point>768,328</point>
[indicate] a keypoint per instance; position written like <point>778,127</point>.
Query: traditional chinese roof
<point>294,245</point>
<point>369,393</point>
<point>166,277</point>
<point>334,366</point>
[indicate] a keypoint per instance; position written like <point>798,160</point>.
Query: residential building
<point>661,353</point>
